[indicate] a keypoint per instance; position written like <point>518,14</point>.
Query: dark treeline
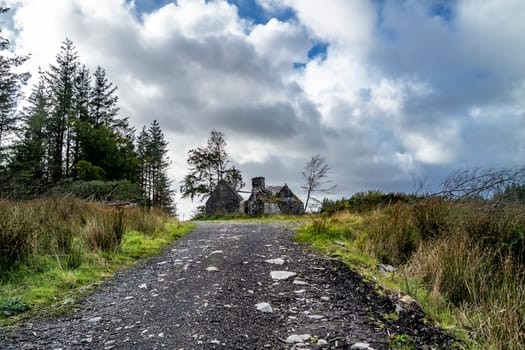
<point>70,139</point>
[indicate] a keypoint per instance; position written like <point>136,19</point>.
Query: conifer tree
<point>103,104</point>
<point>153,163</point>
<point>61,78</point>
<point>10,92</point>
<point>81,98</point>
<point>30,155</point>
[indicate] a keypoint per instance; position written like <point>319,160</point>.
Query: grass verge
<point>59,254</point>
<point>464,264</point>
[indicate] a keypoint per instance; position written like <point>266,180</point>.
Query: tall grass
<point>49,246</point>
<point>58,226</point>
<point>469,257</point>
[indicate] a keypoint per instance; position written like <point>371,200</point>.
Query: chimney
<point>257,183</point>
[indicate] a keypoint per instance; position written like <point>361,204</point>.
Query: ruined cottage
<point>272,199</point>
<point>223,200</point>
<point>262,200</point>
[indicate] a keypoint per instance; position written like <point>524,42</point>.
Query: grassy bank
<point>464,261</point>
<point>53,250</point>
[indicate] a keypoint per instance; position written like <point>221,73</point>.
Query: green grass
<point>464,262</point>
<point>45,285</point>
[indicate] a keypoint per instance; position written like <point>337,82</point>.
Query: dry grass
<point>470,254</point>
<point>465,259</point>
<point>60,228</point>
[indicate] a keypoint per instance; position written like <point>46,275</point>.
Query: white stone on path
<point>316,317</point>
<point>264,307</point>
<point>298,338</point>
<point>277,261</point>
<point>95,320</point>
<point>282,275</point>
<point>300,291</point>
<point>143,286</point>
<point>299,282</point>
<point>322,342</point>
<point>361,346</point>
<point>212,269</point>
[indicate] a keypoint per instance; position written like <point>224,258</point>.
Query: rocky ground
<point>234,286</point>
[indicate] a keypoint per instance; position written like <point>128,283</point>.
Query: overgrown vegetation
<point>463,259</point>
<point>50,248</point>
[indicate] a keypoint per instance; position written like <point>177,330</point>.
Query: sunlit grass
<point>51,272</point>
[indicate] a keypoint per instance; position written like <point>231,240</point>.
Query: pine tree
<point>30,154</point>
<point>81,98</point>
<point>103,104</point>
<point>10,92</point>
<point>61,78</point>
<point>153,163</point>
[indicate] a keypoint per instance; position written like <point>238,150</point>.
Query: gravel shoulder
<point>202,292</point>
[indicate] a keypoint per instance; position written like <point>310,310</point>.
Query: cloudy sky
<point>386,91</point>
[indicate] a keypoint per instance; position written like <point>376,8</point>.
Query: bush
<point>362,202</point>
<point>87,171</point>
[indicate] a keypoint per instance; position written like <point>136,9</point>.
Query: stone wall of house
<point>223,200</point>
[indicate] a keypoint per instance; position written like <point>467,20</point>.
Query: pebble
<point>264,307</point>
<point>212,268</point>
<point>300,291</point>
<point>277,261</point>
<point>143,286</point>
<point>299,282</point>
<point>316,317</point>
<point>297,338</point>
<point>95,320</point>
<point>386,268</point>
<point>361,346</point>
<point>282,275</point>
<point>322,342</point>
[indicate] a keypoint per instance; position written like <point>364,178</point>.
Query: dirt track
<point>201,293</point>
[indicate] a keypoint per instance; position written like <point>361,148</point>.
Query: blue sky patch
<point>318,51</point>
<point>251,10</point>
<point>443,9</point>
<point>299,65</point>
<point>148,6</point>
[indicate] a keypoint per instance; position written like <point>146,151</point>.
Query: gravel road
<point>202,292</point>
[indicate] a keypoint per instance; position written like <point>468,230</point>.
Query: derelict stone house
<point>262,200</point>
<point>272,199</point>
<point>224,199</point>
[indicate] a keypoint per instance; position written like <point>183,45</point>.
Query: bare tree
<point>316,176</point>
<point>480,183</point>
